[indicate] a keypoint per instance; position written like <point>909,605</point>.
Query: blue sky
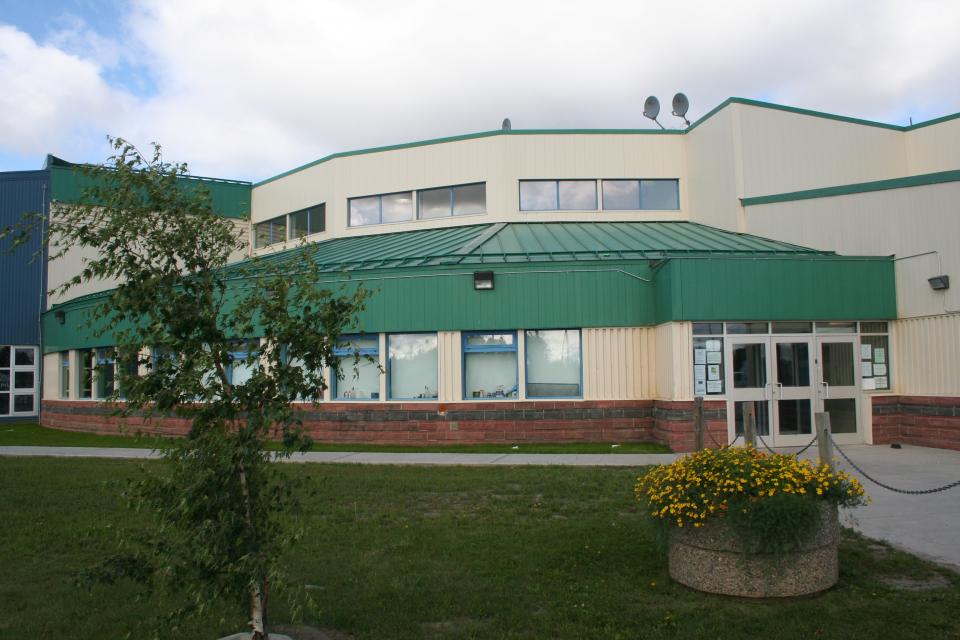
<point>245,89</point>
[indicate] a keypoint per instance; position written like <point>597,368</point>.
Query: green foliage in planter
<point>777,524</point>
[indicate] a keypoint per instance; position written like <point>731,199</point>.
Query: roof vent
<point>506,126</point>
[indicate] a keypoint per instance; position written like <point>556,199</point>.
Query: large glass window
<point>308,221</point>
<point>106,373</point>
<point>412,366</point>
<point>553,364</point>
<point>452,201</point>
<point>708,366</point>
<point>359,378</point>
<point>874,357</point>
<point>85,377</point>
<point>389,207</point>
<point>64,374</point>
<point>558,195</point>
<point>489,365</point>
<point>270,232</point>
<point>239,370</point>
<point>632,195</point>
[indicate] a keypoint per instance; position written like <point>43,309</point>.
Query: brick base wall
<point>925,421</point>
<point>614,421</point>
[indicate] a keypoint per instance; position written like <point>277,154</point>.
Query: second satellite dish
<point>680,107</point>
<point>651,109</point>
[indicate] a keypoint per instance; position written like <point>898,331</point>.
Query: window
<point>359,379</point>
<point>412,366</point>
<point>489,365</point>
<point>708,359</point>
<point>85,381</point>
<point>239,370</point>
<point>553,364</point>
<point>308,221</point>
<point>452,201</point>
<point>65,374</point>
<point>390,207</point>
<point>106,373</point>
<point>632,195</point>
<point>18,380</point>
<point>558,195</point>
<point>270,232</point>
<point>874,356</point>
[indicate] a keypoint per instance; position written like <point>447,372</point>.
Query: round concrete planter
<point>712,559</point>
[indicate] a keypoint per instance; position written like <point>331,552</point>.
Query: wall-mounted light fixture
<point>483,280</point>
<point>939,283</point>
<point>60,315</point>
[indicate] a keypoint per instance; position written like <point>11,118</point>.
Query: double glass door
<point>784,380</point>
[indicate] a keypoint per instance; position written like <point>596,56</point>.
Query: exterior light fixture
<point>60,316</point>
<point>939,283</point>
<point>483,280</point>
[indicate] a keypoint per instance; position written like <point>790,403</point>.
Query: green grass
<point>451,552</point>
<point>24,434</point>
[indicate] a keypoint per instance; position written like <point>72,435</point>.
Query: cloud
<point>248,89</point>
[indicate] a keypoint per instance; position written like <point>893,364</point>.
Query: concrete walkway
<point>925,525</point>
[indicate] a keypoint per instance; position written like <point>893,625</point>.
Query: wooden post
<point>824,443</point>
<point>698,426</point>
<point>750,424</point>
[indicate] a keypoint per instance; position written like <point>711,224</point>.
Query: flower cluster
<point>708,483</point>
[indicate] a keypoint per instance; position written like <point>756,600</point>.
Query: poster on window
<point>700,372</point>
<point>713,372</point>
<point>866,369</point>
<point>880,355</point>
<point>714,357</point>
<point>881,382</point>
<point>699,356</point>
<point>865,350</point>
<point>869,384</point>
<point>879,369</point>
<point>699,387</point>
<point>714,386</point>
<point>714,345</point>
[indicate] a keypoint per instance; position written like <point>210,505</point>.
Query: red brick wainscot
<point>924,421</point>
<point>419,423</point>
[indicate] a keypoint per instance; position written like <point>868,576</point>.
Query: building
<point>588,284</point>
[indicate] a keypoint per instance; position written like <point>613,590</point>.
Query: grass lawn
<point>452,552</point>
<point>23,434</point>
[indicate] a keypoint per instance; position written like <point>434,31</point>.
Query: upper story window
<point>308,221</point>
<point>389,207</point>
<point>632,195</point>
<point>558,195</point>
<point>462,200</point>
<point>269,232</point>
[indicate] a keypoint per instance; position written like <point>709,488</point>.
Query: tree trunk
<point>257,614</point>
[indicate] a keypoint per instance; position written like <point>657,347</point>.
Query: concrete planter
<point>712,559</point>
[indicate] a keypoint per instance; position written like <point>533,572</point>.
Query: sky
<point>246,90</point>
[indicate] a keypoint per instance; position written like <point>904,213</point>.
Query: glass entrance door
<point>748,386</point>
<point>838,386</point>
<point>793,391</point>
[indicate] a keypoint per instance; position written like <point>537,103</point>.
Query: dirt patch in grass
<point>933,582</point>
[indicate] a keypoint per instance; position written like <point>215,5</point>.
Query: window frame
<point>389,367</point>
<point>465,349</point>
<point>340,353</point>
<point>271,222</point>
<point>453,202</point>
<point>64,369</point>
<point>104,356</point>
<point>526,366</point>
<point>557,181</point>
<point>379,197</point>
<point>639,182</point>
<point>310,232</point>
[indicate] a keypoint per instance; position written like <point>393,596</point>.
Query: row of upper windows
<point>553,367</point>
<point>470,199</point>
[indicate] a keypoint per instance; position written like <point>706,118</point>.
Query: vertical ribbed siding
<point>673,370</point>
<point>448,343</point>
<point>21,275</point>
<point>617,363</point>
<point>926,355</point>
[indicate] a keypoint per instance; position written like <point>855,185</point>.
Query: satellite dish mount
<point>680,107</point>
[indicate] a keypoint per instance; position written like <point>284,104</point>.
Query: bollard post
<point>824,444</point>
<point>698,425</point>
<point>750,424</point>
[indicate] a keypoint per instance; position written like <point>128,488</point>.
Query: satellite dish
<point>506,126</point>
<point>651,109</point>
<point>680,107</point>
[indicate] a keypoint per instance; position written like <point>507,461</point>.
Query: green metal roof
<point>536,242</point>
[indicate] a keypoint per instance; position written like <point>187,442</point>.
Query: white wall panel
<point>934,148</point>
<point>927,355</point>
<point>450,373</point>
<point>618,363</point>
<point>673,365</point>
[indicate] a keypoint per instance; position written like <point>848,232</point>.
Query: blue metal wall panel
<point>23,273</point>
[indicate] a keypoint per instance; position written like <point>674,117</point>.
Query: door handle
<point>826,389</point>
<point>780,390</point>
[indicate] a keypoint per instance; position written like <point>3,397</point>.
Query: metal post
<point>750,424</point>
<point>824,443</point>
<point>698,425</point>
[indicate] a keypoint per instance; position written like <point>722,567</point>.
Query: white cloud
<point>251,88</point>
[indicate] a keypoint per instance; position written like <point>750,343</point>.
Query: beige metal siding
<point>51,377</point>
<point>927,355</point>
<point>673,370</point>
<point>715,180</point>
<point>618,363</point>
<point>448,344</point>
<point>934,148</point>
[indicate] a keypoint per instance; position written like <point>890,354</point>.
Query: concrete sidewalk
<point>925,525</point>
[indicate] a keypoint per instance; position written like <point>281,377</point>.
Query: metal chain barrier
<point>915,492</point>
<point>797,453</point>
